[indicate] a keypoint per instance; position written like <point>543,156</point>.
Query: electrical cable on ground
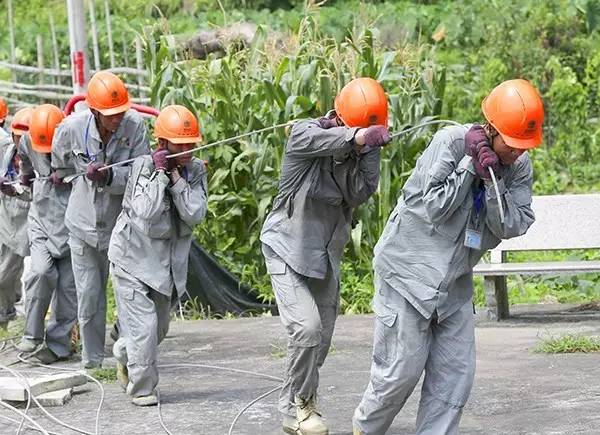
<point>227,369</point>
<point>87,375</point>
<point>23,381</point>
<point>31,420</point>
<point>160,417</point>
<point>40,406</point>
<point>239,414</point>
<point>28,426</point>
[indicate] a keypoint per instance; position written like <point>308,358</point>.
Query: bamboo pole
<point>11,33</point>
<point>111,50</point>
<point>125,51</point>
<point>33,69</point>
<point>139,63</point>
<point>55,49</point>
<point>40,58</point>
<point>95,47</point>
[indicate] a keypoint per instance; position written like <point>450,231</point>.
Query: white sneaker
<point>310,421</point>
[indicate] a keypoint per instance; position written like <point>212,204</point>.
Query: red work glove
<point>475,139</point>
<point>56,180</point>
<point>326,123</point>
<point>159,157</point>
<point>486,158</point>
<point>93,173</point>
<point>7,189</point>
<point>376,136</point>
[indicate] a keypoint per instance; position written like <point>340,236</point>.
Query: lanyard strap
<point>478,199</point>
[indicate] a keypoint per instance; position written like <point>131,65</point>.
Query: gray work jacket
<point>153,233</point>
<point>93,207</point>
<point>49,203</point>
<point>13,209</point>
<point>421,252</point>
<point>322,180</point>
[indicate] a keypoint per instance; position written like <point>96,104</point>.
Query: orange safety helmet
<point>3,110</point>
<point>177,125</point>
<point>20,122</point>
<point>44,120</point>
<point>362,103</point>
<point>514,108</point>
<point>107,94</point>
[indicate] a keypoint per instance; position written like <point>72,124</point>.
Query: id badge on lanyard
<point>472,235</point>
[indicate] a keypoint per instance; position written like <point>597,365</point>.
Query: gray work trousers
<point>11,269</point>
<point>144,316</point>
<point>308,310</point>
<point>90,269</point>
<point>49,280</point>
<point>405,345</point>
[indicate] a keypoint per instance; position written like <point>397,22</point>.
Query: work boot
<point>28,344</point>
<point>91,365</point>
<point>356,431</point>
<point>149,400</point>
<point>290,425</point>
<point>310,421</point>
<point>45,356</point>
<point>122,375</point>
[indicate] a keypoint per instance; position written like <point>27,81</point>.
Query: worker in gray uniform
<point>149,248</point>
<point>50,278</point>
<point>448,215</point>
<point>330,166</point>
<point>14,207</point>
<point>108,132</point>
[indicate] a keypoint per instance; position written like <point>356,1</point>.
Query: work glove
<point>7,189</point>
<point>326,123</point>
<point>26,179</point>
<point>486,158</point>
<point>56,180</point>
<point>376,136</point>
<point>93,173</point>
<point>159,157</point>
<point>475,139</point>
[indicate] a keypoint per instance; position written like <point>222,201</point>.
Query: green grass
<point>15,329</point>
<point>105,375</point>
<point>569,343</point>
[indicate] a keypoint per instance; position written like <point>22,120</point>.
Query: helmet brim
<point>522,144</point>
<point>115,110</point>
<point>19,129</point>
<point>180,140</point>
<point>44,149</point>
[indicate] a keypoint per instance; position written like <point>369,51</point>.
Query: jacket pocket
<point>323,187</point>
<point>275,265</point>
<point>157,228</point>
<point>385,342</point>
<point>454,226</point>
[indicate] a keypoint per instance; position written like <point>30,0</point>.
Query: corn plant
<point>274,82</point>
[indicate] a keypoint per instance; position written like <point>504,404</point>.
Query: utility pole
<point>80,67</point>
